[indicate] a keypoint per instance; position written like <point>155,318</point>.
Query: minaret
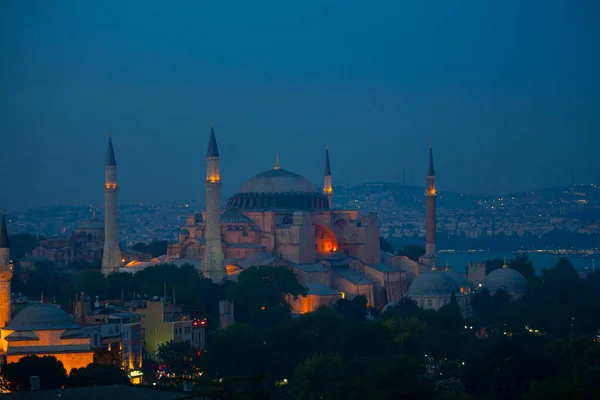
<point>430,256</point>
<point>6,273</point>
<point>111,258</point>
<point>327,188</point>
<point>213,267</point>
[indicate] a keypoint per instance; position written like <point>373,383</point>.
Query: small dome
<point>461,282</point>
<point>505,278</point>
<point>433,283</point>
<point>232,216</point>
<point>41,317</point>
<point>277,181</point>
<point>91,224</point>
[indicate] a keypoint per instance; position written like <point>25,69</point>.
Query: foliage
<point>522,264</point>
<point>97,374</point>
<point>412,251</point>
<point>492,265</point>
<point>319,377</point>
<point>15,376</point>
<point>384,245</point>
<point>109,357</point>
<point>156,248</point>
<point>180,357</point>
<point>22,244</point>
<point>260,295</point>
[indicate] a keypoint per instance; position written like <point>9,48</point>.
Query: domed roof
<point>40,317</point>
<point>460,281</point>
<point>232,216</point>
<point>505,278</point>
<point>92,223</point>
<point>433,283</point>
<point>277,181</point>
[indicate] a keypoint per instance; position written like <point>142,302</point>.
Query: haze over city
<point>508,94</point>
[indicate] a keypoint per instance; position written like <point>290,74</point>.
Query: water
<point>459,260</point>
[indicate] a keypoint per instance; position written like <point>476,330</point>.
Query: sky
<point>508,91</point>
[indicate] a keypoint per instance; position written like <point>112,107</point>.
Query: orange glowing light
<point>262,308</point>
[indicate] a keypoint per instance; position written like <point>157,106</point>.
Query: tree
<point>156,248</point>
<point>384,245</point>
<point>110,357</point>
<point>15,376</point>
<point>182,359</point>
<point>355,309</point>
<point>96,375</point>
<point>260,295</point>
<point>522,264</point>
<point>23,243</point>
<point>492,265</point>
<point>412,251</point>
<point>319,377</point>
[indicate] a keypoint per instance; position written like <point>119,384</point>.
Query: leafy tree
<point>449,317</point>
<point>319,377</point>
<point>384,245</point>
<point>111,357</point>
<point>22,244</point>
<point>182,359</point>
<point>260,294</point>
<point>412,251</point>
<point>156,248</point>
<point>522,264</point>
<point>355,309</point>
<point>91,282</point>
<point>15,376</point>
<point>97,375</point>
<point>491,265</point>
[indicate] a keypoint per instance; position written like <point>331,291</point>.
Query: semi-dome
<point>278,188</point>
<point>40,317</point>
<point>234,217</point>
<point>505,278</point>
<point>433,283</point>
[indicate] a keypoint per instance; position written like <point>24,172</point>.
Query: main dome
<point>41,317</point>
<point>277,181</point>
<point>278,188</point>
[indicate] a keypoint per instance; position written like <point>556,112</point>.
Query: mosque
<point>278,218</point>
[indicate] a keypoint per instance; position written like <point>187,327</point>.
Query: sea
<point>459,260</point>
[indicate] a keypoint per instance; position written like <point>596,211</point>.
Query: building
<point>279,218</point>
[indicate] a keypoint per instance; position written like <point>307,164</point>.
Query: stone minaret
<point>327,188</point>
<point>111,258</point>
<point>212,264</point>
<point>6,273</point>
<point>430,256</point>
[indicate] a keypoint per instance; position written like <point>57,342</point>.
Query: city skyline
<point>511,108</point>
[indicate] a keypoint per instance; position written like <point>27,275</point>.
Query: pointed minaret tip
<point>213,150</point>
<point>505,263</point>
<point>327,164</point>
<point>277,161</point>
<point>110,153</point>
<point>430,169</point>
<point>4,242</point>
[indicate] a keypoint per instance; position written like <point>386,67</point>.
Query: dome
<point>280,189</point>
<point>460,281</point>
<point>505,278</point>
<point>233,216</point>
<point>88,224</point>
<point>41,317</point>
<point>277,181</point>
<point>433,283</point>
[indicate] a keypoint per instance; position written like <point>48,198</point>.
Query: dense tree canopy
<point>15,376</point>
<point>96,375</point>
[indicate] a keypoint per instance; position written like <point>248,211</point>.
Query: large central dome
<point>277,181</point>
<point>280,189</point>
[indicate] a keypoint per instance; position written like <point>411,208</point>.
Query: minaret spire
<point>212,266</point>
<point>111,257</point>
<point>430,256</point>
<point>6,273</point>
<point>327,187</point>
